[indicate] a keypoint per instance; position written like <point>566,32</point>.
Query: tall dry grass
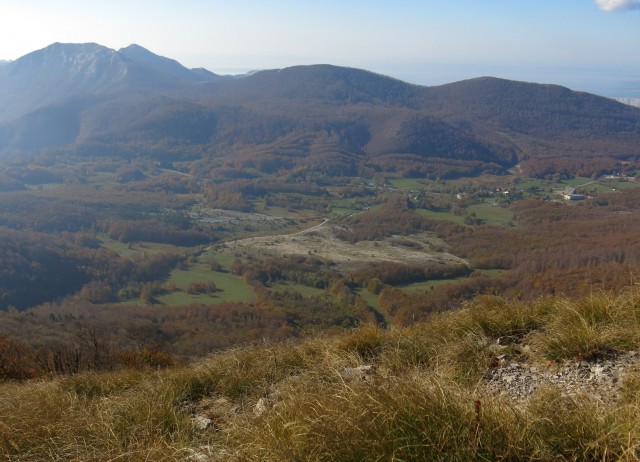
<point>422,399</point>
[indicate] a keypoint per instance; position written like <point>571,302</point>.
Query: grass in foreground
<point>422,400</point>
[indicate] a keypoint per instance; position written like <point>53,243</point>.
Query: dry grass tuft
<point>592,327</point>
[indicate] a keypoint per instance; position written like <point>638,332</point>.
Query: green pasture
<point>576,181</point>
<point>491,214</point>
<point>136,249</point>
<point>347,206</point>
<point>444,215</point>
<point>223,257</point>
<point>543,185</point>
<point>232,288</point>
<point>346,203</point>
<point>606,186</point>
<point>369,298</point>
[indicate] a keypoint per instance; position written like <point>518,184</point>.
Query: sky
<point>590,45</point>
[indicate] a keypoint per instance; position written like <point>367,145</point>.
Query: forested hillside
<point>309,119</point>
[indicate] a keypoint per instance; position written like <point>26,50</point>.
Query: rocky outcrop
<point>601,378</point>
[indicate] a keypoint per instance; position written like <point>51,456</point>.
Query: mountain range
<point>91,100</point>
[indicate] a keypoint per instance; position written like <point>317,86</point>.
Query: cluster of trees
<point>340,308</point>
<point>229,196</point>
<point>415,166</point>
<point>169,182</point>
<point>406,309</point>
<point>201,287</point>
<point>568,166</point>
<point>23,210</point>
<point>304,270</point>
<point>155,231</point>
<point>394,273</point>
<point>556,248</point>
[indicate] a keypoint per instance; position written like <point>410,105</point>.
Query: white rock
<point>261,407</point>
<point>201,422</point>
<point>357,373</point>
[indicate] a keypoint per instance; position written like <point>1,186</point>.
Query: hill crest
<point>338,120</point>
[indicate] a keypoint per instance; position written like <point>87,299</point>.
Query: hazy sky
<point>584,44</point>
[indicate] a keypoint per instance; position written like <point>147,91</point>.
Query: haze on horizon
<point>583,44</point>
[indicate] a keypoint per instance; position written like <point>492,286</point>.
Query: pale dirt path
<point>308,230</point>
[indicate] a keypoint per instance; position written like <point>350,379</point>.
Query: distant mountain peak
<point>135,47</point>
<point>144,57</point>
<point>63,70</point>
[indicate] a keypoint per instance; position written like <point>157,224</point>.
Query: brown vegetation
<point>558,248</point>
<point>414,393</point>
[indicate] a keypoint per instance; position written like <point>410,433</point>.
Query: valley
<point>156,245</point>
<point>177,211</point>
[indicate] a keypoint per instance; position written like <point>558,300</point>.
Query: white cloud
<point>618,5</point>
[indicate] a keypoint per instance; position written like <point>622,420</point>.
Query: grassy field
<point>347,206</point>
<point>130,250</point>
<point>444,215</point>
<point>342,211</point>
<point>407,183</point>
<point>222,257</point>
<point>231,288</point>
<point>576,181</point>
<point>616,185</point>
<point>370,298</point>
<point>402,394</point>
<point>491,214</point>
